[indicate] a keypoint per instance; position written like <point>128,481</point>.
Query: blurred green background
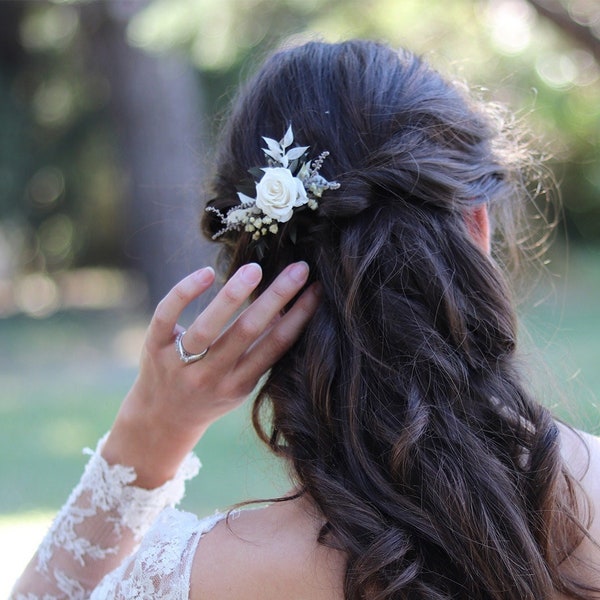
<point>108,113</point>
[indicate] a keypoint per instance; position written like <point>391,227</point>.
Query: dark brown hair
<point>401,408</point>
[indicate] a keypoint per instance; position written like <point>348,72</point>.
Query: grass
<point>62,379</point>
<point>61,383</point>
<point>561,341</point>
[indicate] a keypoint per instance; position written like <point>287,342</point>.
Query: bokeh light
<point>49,27</point>
<point>511,23</point>
<point>56,239</point>
<point>53,102</point>
<point>46,188</point>
<point>36,295</point>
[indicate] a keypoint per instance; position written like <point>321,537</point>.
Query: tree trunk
<point>157,109</point>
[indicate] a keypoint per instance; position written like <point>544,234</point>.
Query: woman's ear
<point>478,224</point>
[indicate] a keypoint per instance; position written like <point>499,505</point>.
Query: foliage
<point>500,45</point>
<point>62,198</point>
<point>59,188</point>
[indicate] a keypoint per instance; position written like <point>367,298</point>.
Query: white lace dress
<point>114,540</point>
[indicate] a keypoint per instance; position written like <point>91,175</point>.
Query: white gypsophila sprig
<point>316,184</point>
<point>287,183</point>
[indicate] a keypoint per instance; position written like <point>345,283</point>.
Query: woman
<point>422,466</point>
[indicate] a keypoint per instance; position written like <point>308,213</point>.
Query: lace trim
<point>103,520</point>
<point>162,565</point>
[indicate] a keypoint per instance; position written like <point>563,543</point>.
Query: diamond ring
<point>184,355</point>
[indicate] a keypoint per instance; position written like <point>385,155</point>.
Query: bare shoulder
<point>267,553</point>
<point>581,453</point>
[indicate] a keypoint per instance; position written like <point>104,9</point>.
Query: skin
<point>581,453</point>
<point>268,553</point>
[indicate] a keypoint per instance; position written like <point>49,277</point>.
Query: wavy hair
<point>401,409</point>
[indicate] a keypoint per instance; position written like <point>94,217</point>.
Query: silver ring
<point>184,355</point>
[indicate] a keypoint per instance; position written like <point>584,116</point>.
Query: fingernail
<point>299,271</point>
<point>251,273</point>
<point>205,275</point>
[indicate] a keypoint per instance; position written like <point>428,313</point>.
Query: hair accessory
<point>290,182</point>
<point>185,356</point>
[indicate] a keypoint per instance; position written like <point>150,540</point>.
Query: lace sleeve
<point>102,522</point>
<point>161,568</point>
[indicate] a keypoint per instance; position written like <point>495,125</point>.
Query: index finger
<point>164,320</point>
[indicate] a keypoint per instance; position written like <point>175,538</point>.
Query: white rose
<point>278,192</point>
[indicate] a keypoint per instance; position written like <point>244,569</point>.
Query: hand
<point>171,403</point>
